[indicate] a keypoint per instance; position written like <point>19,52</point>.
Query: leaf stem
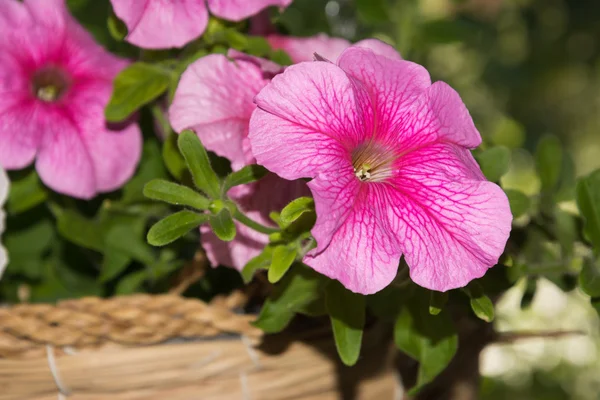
<point>250,223</point>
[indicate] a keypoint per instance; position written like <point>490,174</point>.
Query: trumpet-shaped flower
<point>54,84</point>
<point>392,174</point>
<point>157,24</point>
<point>3,195</point>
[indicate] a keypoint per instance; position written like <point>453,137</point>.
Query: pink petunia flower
<point>4,185</point>
<point>303,48</point>
<point>215,99</point>
<point>159,24</point>
<point>392,174</point>
<point>54,84</point>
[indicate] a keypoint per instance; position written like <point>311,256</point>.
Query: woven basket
<point>170,347</point>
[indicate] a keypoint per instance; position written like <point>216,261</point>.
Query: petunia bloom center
<point>49,84</point>
<point>373,162</point>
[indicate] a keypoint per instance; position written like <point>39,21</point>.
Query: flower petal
<point>303,48</point>
<point>20,131</point>
<point>452,225</point>
<point>63,162</point>
<point>443,116</point>
<point>237,10</point>
<point>306,121</point>
<point>235,254</point>
<point>380,48</point>
<point>214,98</point>
<point>157,24</point>
<point>388,89</point>
<point>363,252</point>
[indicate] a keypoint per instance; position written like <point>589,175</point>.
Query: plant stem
<point>253,224</point>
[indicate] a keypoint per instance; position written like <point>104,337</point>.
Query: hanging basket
<point>170,347</point>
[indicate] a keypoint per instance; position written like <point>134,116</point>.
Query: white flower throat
<point>373,162</point>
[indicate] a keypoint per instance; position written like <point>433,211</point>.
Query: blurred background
<point>526,69</point>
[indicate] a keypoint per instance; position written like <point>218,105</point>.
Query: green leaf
<point>151,167</point>
<point>248,174</point>
<point>258,46</point>
<point>172,157</point>
<point>116,27</point>
<point>347,313</point>
<point>280,57</point>
<point>134,87</point>
<point>429,339</point>
<point>481,305</point>
<point>173,193</point>
<point>283,258</point>
<point>26,193</point>
<point>548,161</point>
<point>261,261</point>
<point>596,304</point>
<point>299,287</point>
<point>589,278</point>
<point>131,283</point>
<point>82,231</point>
<point>519,202</point>
<point>174,226</point>
<point>565,229</point>
<point>437,301</point>
<point>588,201</point>
<point>296,208</point>
<point>198,163</point>
<point>123,239</point>
<point>494,162</point>
<point>27,247</point>
<point>113,264</point>
<point>222,225</point>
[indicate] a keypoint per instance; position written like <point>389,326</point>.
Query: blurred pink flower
<point>392,174</point>
<point>4,186</point>
<point>158,24</point>
<point>303,48</point>
<point>54,83</point>
<point>215,99</point>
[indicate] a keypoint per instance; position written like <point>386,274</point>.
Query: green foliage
<point>481,305</point>
<point>282,260</point>
<point>347,313</point>
<point>172,158</point>
<point>519,202</point>
<point>588,200</point>
<point>171,228</point>
<point>222,225</point>
<point>198,164</point>
<point>248,174</point>
<point>589,278</point>
<point>134,87</point>
<point>429,339</point>
<point>173,193</point>
<point>26,193</point>
<point>295,209</point>
<point>437,302</point>
<point>299,288</point>
<point>261,261</point>
<point>494,162</point>
<point>548,160</point>
<point>116,27</point>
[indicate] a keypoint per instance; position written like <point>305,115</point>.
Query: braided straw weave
<point>169,347</point>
